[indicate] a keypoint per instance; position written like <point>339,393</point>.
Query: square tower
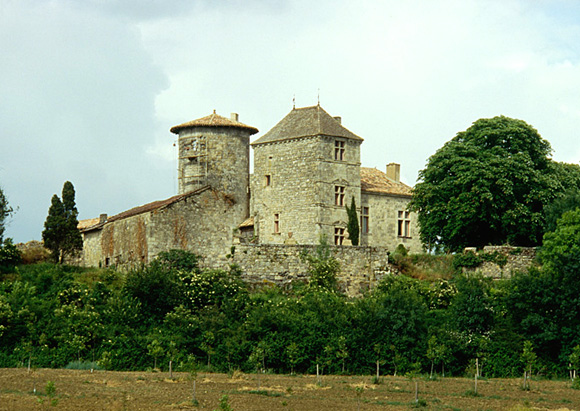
<point>306,169</point>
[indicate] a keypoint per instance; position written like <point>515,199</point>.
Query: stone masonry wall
<point>302,175</point>
<point>360,267</point>
<point>203,224</point>
<point>222,155</point>
<point>518,259</point>
<point>383,222</point>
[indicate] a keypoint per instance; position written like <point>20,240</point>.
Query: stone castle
<point>306,169</point>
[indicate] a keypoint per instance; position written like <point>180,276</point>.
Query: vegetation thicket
<point>171,310</point>
<point>9,254</point>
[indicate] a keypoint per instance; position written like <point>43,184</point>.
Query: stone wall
<point>383,222</point>
<point>216,156</point>
<point>360,267</point>
<point>518,259</point>
<point>299,188</point>
<point>202,223</point>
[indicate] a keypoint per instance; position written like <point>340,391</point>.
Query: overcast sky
<point>89,89</point>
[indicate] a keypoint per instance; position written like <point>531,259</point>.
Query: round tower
<point>214,151</point>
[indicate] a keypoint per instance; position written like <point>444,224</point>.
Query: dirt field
<point>105,390</point>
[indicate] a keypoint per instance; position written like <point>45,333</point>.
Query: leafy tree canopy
<point>561,250</point>
<point>488,185</point>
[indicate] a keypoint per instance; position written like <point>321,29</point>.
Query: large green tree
<point>61,235</point>
<point>488,185</point>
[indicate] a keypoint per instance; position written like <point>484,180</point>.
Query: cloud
<point>78,103</point>
<point>90,89</point>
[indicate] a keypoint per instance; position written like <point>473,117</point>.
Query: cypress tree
<point>73,239</point>
<point>61,235</point>
<point>352,226</point>
<point>54,228</point>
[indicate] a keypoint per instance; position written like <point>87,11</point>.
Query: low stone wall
<point>360,267</point>
<point>518,259</point>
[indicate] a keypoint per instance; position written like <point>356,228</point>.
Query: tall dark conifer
<point>73,239</point>
<point>352,226</point>
<point>61,235</point>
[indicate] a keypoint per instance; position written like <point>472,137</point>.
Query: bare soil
<point>106,390</point>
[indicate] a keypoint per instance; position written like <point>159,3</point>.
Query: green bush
<point>468,259</point>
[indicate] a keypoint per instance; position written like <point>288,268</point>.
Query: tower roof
<point>306,121</point>
<point>213,120</point>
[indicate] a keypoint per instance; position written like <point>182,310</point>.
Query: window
<point>338,235</point>
<point>339,196</point>
<point>339,150</point>
<point>276,223</point>
<point>364,220</point>
<point>268,180</point>
<point>404,224</point>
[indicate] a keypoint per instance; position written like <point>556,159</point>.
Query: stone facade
<point>202,221</point>
<point>306,169</point>
<point>295,180</point>
<point>387,215</point>
<point>517,259</point>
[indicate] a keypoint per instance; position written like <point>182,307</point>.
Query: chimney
<point>394,172</point>
<point>339,119</point>
<point>102,219</point>
<point>234,116</point>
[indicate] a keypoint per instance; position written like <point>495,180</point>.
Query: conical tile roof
<point>213,120</point>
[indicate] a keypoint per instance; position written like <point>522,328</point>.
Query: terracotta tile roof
<point>213,120</point>
<point>156,205</point>
<point>83,224</point>
<point>249,222</point>
<point>303,122</point>
<point>375,181</point>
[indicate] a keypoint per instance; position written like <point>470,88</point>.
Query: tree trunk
<point>378,371</point>
<point>170,370</point>
<point>431,375</point>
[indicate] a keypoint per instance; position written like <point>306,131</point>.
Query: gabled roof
<point>375,181</point>
<point>213,120</point>
<point>90,222</point>
<point>303,122</point>
<point>155,205</point>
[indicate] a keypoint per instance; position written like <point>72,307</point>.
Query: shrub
<point>466,260</point>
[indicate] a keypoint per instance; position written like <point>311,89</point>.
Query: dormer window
<point>339,150</point>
